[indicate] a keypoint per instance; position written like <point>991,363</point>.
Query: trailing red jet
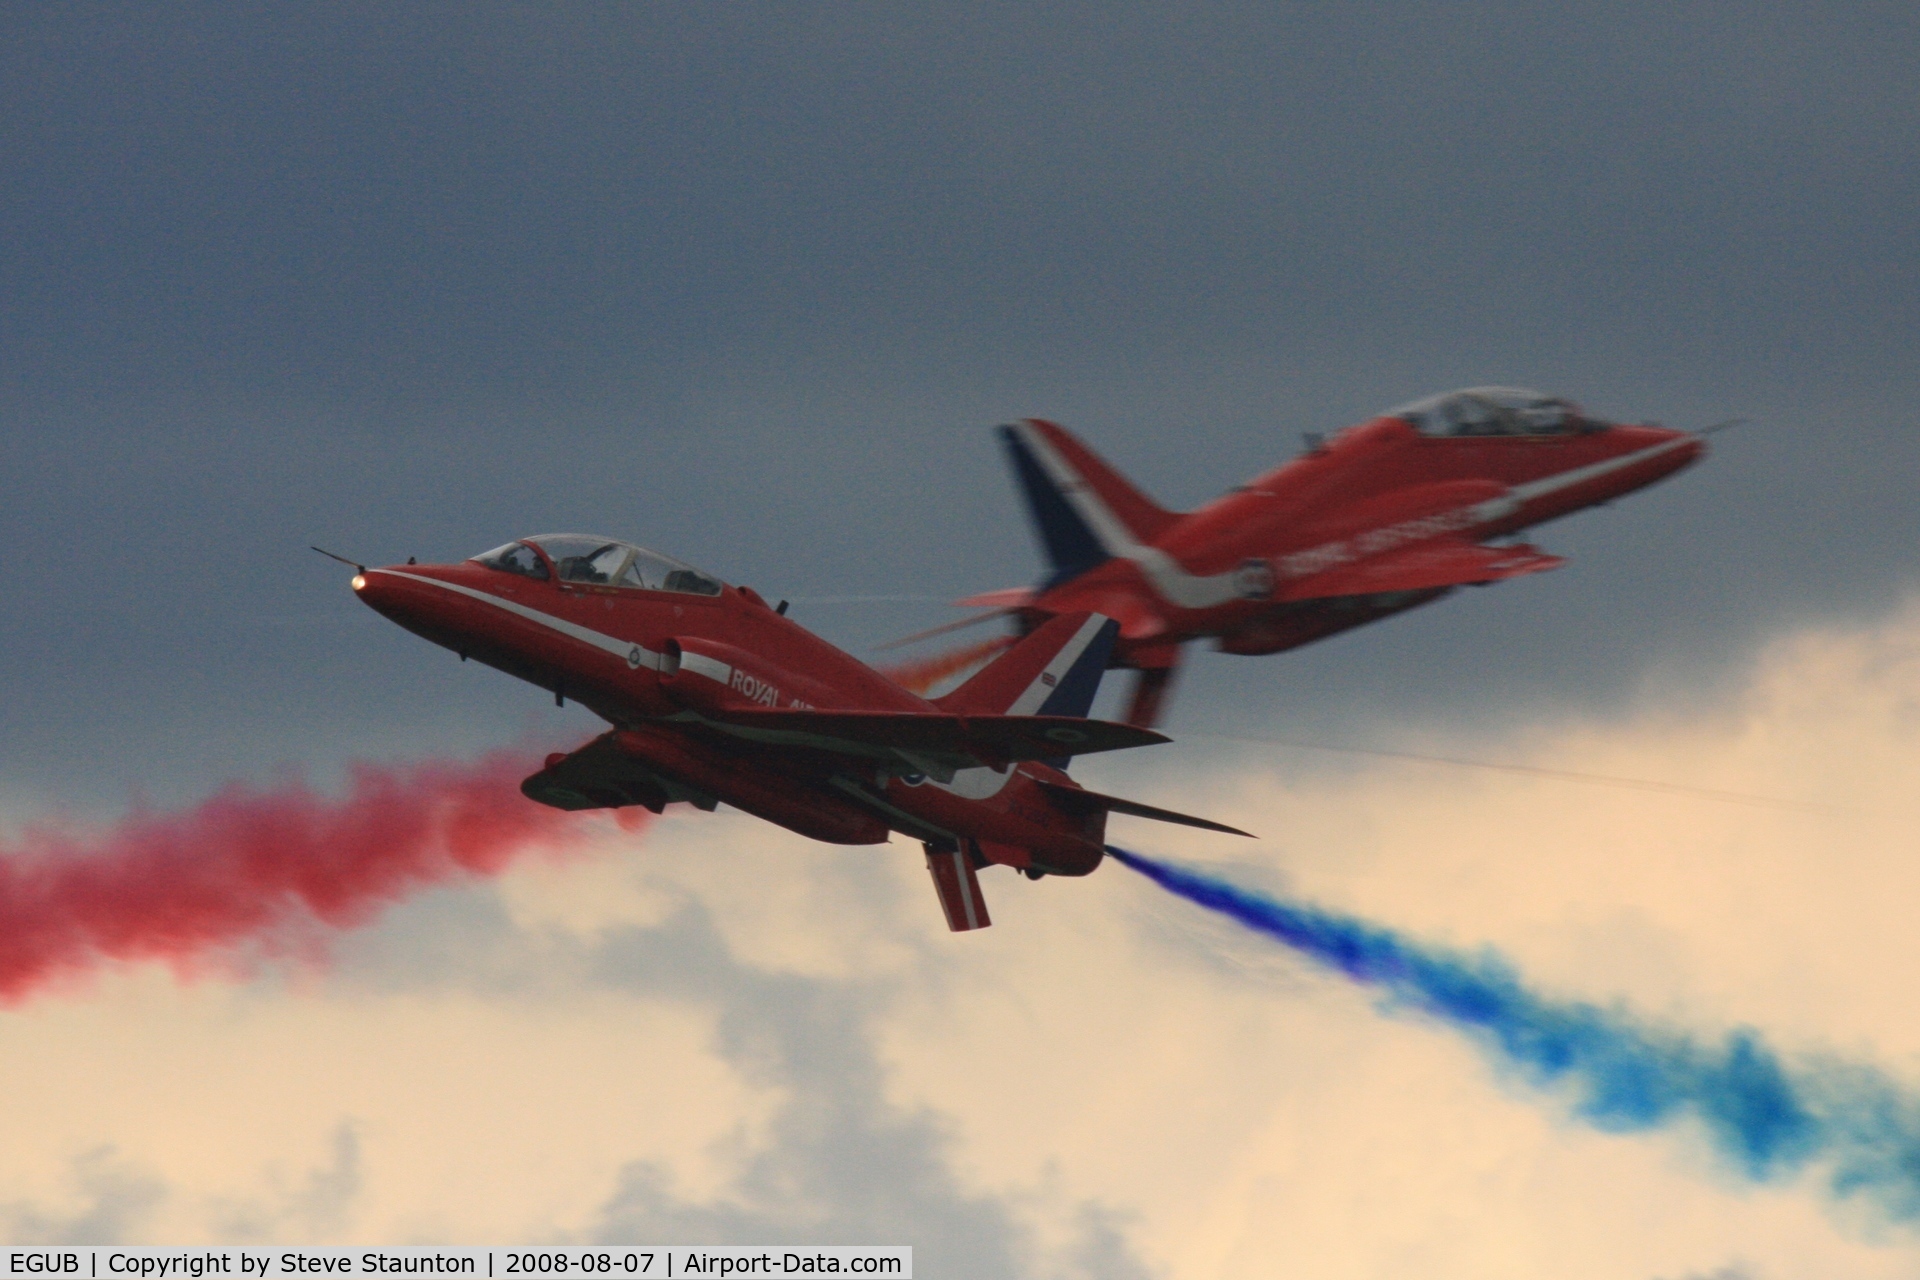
<point>714,697</point>
<point>1389,514</point>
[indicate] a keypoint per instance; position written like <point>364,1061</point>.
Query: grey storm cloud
<point>751,283</point>
<point>492,196</point>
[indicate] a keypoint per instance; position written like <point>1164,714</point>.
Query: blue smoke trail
<point>1768,1121</point>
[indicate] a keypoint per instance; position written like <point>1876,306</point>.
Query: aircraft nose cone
<point>416,598</point>
<point>370,586</point>
<point>388,592</point>
<point>1663,449</point>
<point>1690,450</point>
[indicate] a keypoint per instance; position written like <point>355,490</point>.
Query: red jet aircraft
<point>716,698</point>
<point>1389,514</point>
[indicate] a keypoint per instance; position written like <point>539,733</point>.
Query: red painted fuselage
<point>713,697</point>
<point>1389,514</point>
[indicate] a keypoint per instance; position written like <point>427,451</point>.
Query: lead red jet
<point>716,698</point>
<point>1393,513</point>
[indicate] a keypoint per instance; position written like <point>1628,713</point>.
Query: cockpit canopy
<point>1492,411</point>
<point>583,557</point>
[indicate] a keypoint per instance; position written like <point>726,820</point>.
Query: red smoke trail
<point>260,868</point>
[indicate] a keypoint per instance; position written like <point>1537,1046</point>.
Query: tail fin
<point>1084,511</point>
<point>1055,671</point>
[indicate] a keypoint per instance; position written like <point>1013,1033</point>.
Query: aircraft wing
<point>1447,562</point>
<point>937,744</point>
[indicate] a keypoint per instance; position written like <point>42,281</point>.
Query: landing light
<point>359,581</point>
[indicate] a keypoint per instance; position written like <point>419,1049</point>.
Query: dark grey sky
<point>750,283</point>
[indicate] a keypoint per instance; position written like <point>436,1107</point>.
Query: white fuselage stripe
<point>969,784</point>
<point>701,665</point>
<point>572,630</point>
<point>1174,583</point>
<point>1580,475</point>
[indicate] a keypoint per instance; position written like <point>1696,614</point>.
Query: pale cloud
<point>109,1202</point>
<point>718,1030</point>
<point>316,1202</point>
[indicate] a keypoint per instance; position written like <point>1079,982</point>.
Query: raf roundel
<point>633,657</point>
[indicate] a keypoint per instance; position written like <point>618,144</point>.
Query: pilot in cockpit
<point>1492,411</point>
<point>583,558</point>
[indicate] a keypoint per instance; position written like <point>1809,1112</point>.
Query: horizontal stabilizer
<point>1088,801</point>
<point>1448,562</point>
